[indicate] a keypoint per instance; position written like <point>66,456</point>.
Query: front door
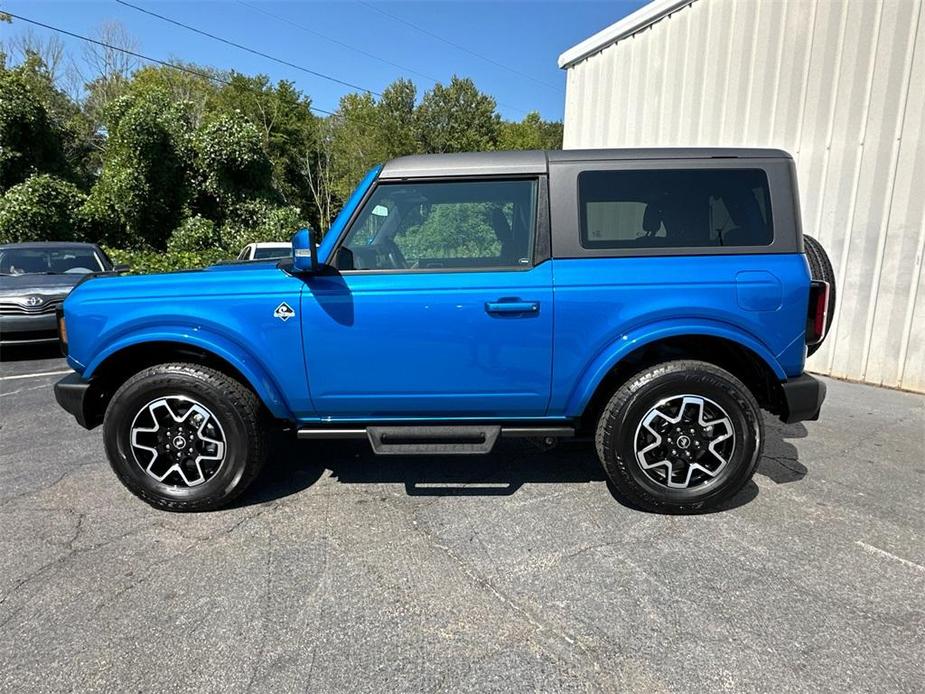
<point>436,307</point>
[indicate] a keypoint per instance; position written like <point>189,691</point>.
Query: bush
<point>101,221</point>
<point>193,235</point>
<point>41,208</point>
<point>147,261</point>
<point>256,220</point>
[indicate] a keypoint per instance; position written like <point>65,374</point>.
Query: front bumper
<point>28,330</point>
<point>81,399</point>
<point>803,397</point>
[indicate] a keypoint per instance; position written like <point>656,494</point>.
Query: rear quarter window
<point>687,208</point>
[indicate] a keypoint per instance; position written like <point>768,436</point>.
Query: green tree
<point>358,143</point>
<point>29,142</point>
<point>231,166</point>
<point>365,132</point>
<point>41,208</point>
<point>396,121</point>
<point>531,133</point>
<point>195,88</point>
<point>143,188</point>
<point>285,122</point>
<point>71,127</point>
<point>457,118</point>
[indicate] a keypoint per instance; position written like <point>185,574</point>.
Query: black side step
<point>433,440</point>
<point>465,439</point>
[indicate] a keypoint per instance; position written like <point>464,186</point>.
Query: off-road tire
<point>237,408</point>
<point>820,268</point>
<point>617,429</point>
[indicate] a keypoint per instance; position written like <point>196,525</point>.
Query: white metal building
<point>840,84</point>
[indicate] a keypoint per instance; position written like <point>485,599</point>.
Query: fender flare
<point>248,365</point>
<point>621,346</point>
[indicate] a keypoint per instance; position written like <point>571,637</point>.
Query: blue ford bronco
<point>651,300</point>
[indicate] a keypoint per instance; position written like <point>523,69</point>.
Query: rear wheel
<point>820,268</point>
<point>680,437</point>
<point>184,437</point>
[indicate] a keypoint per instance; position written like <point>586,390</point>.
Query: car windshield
<point>49,261</point>
<point>264,253</point>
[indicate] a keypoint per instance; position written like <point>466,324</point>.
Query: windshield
<point>49,261</point>
<point>264,253</point>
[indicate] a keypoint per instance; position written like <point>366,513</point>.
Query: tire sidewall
<point>645,394</point>
<point>134,396</point>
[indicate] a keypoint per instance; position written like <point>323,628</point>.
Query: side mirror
<point>304,251</point>
<point>121,267</point>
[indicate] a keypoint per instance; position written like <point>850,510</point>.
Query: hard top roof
<point>537,161</point>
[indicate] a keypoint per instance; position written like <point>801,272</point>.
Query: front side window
<point>443,225</point>
<point>674,208</point>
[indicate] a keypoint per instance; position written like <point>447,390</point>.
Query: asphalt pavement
<point>520,571</point>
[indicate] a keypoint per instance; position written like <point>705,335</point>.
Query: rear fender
<point>253,370</point>
<point>620,347</point>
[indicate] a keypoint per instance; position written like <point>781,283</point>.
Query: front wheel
<point>184,437</point>
<point>680,437</point>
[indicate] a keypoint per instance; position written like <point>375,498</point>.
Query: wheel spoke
<point>684,441</point>
<point>173,436</point>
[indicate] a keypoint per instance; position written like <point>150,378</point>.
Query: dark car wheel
<point>184,437</point>
<point>680,437</point>
<point>820,268</point>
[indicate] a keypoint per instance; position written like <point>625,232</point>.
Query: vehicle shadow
<point>50,350</point>
<point>780,462</point>
<point>294,466</point>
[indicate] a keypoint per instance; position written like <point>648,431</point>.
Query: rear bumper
<point>79,398</point>
<point>803,397</point>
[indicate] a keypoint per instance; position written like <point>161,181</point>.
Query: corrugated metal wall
<point>840,84</point>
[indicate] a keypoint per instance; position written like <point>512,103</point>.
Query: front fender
<point>256,373</point>
<point>623,345</point>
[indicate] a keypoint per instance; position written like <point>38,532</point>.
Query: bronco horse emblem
<point>284,312</point>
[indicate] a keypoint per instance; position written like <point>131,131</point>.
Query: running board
<point>468,439</point>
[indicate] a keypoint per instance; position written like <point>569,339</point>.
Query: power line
<point>248,50</point>
<point>286,20</point>
<point>455,45</point>
<point>141,56</point>
<point>337,42</point>
<point>158,61</point>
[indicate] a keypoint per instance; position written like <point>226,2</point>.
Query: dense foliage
<point>42,208</point>
<point>173,169</point>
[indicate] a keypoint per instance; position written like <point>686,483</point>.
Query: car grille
<point>12,308</point>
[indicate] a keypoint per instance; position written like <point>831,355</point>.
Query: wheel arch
<point>741,355</point>
<point>130,355</point>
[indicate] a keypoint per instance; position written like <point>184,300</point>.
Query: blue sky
<point>524,37</point>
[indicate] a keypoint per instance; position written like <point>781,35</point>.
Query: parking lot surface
<point>519,571</point>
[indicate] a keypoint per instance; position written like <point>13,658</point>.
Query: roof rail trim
<point>629,25</point>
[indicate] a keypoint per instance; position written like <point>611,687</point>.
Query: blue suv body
<point>653,298</point>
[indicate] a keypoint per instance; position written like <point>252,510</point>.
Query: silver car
<point>34,280</point>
